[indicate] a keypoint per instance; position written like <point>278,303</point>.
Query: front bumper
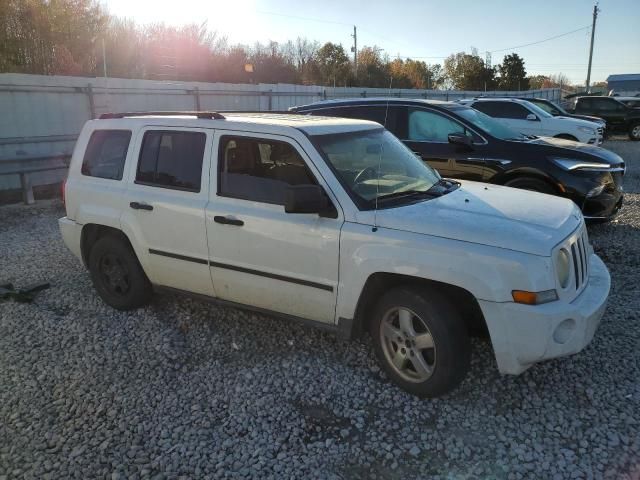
<point>523,335</point>
<point>71,234</point>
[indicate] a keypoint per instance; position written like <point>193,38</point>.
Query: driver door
<point>428,136</point>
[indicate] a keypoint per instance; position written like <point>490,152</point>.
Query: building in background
<point>624,84</point>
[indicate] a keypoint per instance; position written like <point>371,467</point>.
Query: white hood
<point>492,215</point>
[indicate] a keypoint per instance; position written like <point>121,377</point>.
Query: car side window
<point>428,126</point>
<point>604,105</point>
<point>106,153</point>
<point>259,169</point>
<point>171,159</point>
<point>389,117</point>
<point>503,110</point>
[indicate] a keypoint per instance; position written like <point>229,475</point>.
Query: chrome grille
<point>580,257</point>
<point>600,131</point>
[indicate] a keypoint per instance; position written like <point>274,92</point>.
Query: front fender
<point>488,273</point>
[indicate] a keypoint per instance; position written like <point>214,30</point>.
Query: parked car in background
<point>463,143</point>
<point>557,111</point>
<point>336,223</point>
<point>619,117</point>
<point>527,118</point>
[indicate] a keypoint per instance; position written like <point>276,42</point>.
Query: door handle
<point>228,221</point>
<point>141,206</point>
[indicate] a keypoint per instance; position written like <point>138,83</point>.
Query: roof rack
<point>203,115</point>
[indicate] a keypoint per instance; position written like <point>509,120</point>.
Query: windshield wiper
<point>407,193</point>
<point>446,183</point>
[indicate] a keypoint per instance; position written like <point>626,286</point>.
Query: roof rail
<point>203,115</point>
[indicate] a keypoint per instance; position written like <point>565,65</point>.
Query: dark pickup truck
<point>619,117</point>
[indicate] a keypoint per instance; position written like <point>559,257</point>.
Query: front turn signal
<point>534,298</point>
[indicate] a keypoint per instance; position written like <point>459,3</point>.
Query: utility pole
<point>593,32</point>
<point>104,59</point>
<point>354,49</point>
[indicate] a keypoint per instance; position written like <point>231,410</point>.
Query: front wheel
<point>420,341</point>
<point>634,132</point>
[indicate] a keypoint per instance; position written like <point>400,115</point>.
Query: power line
<point>542,41</point>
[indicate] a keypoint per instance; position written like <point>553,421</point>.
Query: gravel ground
<point>184,389</point>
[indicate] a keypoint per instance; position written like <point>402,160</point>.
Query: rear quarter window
<point>106,154</point>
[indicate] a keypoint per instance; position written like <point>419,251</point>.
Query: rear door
<point>260,255</point>
<point>612,111</point>
<point>427,135</point>
<point>165,206</point>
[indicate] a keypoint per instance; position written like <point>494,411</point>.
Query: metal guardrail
<point>24,170</point>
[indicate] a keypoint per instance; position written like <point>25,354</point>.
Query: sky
<point>428,30</point>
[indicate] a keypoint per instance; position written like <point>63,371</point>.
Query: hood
<point>566,148</point>
<point>578,122</point>
<point>589,118</point>
<point>491,215</point>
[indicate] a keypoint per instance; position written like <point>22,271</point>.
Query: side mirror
<point>532,118</point>
<point>305,199</point>
<point>460,139</point>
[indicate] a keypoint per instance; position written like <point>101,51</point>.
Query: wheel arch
<point>506,177</point>
<point>91,232</point>
<point>379,283</point>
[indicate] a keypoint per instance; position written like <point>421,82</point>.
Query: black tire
<point>531,183</point>
<point>634,131</point>
<point>450,355</point>
<point>117,275</point>
<point>566,136</point>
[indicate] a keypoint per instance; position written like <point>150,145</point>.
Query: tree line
<point>80,37</point>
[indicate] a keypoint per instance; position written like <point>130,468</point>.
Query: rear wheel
<point>566,136</point>
<point>420,341</point>
<point>117,275</point>
<point>531,183</point>
<point>634,131</point>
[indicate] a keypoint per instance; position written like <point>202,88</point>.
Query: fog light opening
<point>564,330</point>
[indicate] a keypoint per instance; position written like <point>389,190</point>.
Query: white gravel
<point>183,389</point>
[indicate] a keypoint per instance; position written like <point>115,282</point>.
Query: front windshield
<point>374,164</point>
<point>489,124</point>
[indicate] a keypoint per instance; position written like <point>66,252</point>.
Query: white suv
<point>529,119</point>
<point>333,222</point>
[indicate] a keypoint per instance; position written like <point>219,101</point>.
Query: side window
<point>259,169</point>
<point>106,153</point>
<point>171,159</point>
<point>429,126</point>
<point>607,105</point>
<point>502,110</point>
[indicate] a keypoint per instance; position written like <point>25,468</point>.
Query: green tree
<point>468,72</point>
<point>513,75</point>
<point>537,81</point>
<point>334,65</point>
<point>46,36</point>
<point>372,68</point>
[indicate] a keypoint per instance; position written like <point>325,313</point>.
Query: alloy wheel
<point>408,344</point>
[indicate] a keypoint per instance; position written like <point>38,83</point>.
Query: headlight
<point>571,164</point>
<point>588,130</point>
<point>563,269</point>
